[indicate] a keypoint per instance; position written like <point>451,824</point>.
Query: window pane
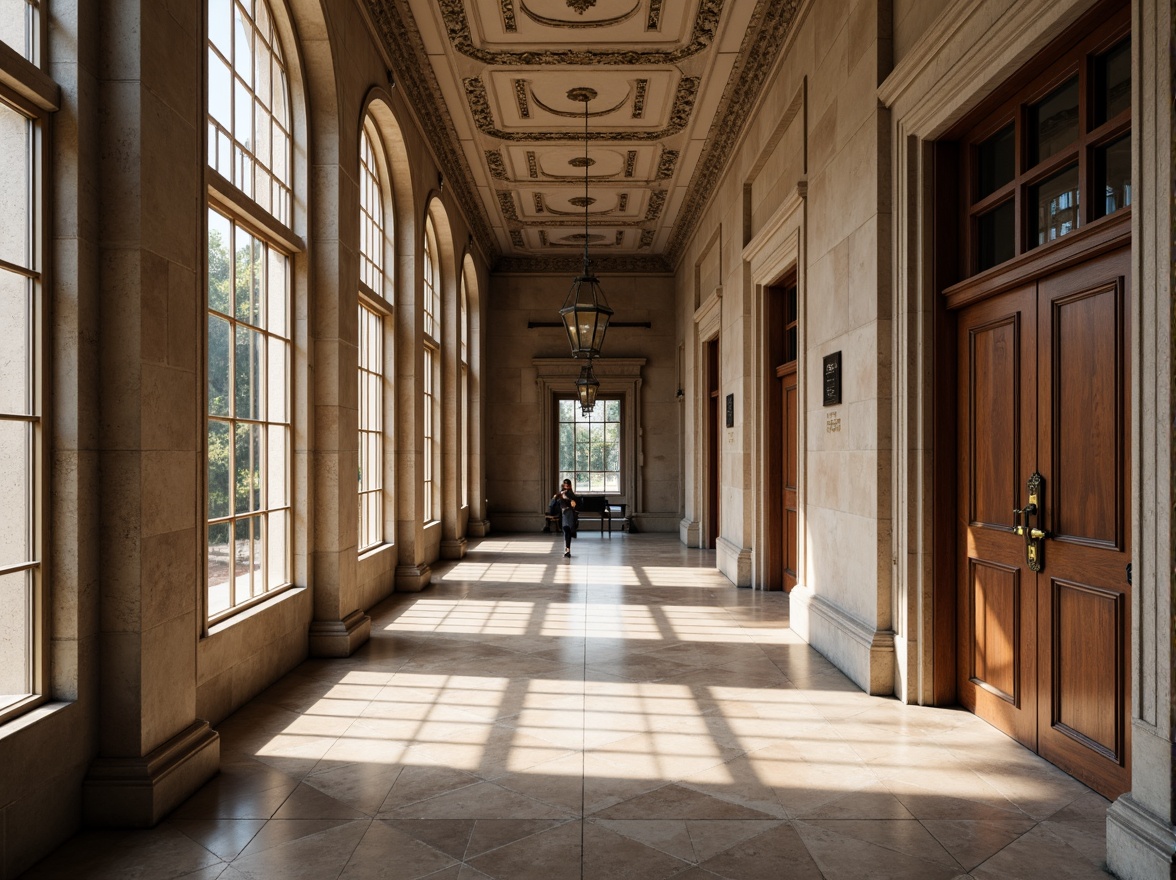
<point>247,468</point>
<point>1055,203</point>
<point>16,648</point>
<point>996,236</point>
<point>219,465</point>
<point>219,568</point>
<point>1112,177</point>
<point>1053,122</point>
<point>1112,83</point>
<point>15,146</point>
<point>16,349</point>
<point>219,268</point>
<point>247,373</point>
<point>995,162</point>
<point>278,567</point>
<point>276,466</point>
<point>219,333</point>
<point>16,483</point>
<point>220,90</point>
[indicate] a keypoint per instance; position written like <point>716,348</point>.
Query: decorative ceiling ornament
<point>547,21</point>
<point>570,114</point>
<point>684,99</point>
<point>509,23</point>
<point>585,312</point>
<point>457,25</point>
<point>581,6</point>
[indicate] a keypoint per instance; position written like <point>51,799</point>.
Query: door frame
<point>961,59</point>
<point>776,253</point>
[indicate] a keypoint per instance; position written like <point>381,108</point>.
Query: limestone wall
<point>811,173</point>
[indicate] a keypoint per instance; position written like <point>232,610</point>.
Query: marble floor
<point>625,713</point>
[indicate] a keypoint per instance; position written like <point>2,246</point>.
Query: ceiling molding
<point>561,265</point>
<point>765,38</point>
<point>406,51</point>
<point>479,101</point>
<point>706,24</point>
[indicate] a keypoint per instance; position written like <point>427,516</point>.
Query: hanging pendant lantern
<point>586,386</point>
<point>585,312</point>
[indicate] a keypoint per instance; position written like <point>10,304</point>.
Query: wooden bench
<point>592,507</point>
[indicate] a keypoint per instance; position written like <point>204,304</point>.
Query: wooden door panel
<point>1087,692</point>
<point>1088,415</point>
<point>996,604</point>
<point>994,401</point>
<point>1084,599</point>
<point>995,630</point>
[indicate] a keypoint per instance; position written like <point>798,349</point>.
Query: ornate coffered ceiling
<point>673,80</point>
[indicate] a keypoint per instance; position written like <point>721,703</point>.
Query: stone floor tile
<point>1037,854</point>
<point>277,832</point>
<point>307,802</point>
<point>224,838</point>
<point>973,842</point>
<point>842,857</point>
<point>760,857</point>
<point>611,856</point>
<point>160,853</point>
<point>315,857</point>
<point>550,855</point>
<point>386,853</point>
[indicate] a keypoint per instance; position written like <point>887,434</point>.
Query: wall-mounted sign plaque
<point>832,379</point>
<point>730,410</point>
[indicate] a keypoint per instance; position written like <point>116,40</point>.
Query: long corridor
<point>625,713</point>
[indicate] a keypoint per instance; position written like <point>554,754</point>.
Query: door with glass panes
<point>1043,407</point>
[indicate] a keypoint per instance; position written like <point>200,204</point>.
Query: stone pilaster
<point>1141,839</point>
<point>152,752</point>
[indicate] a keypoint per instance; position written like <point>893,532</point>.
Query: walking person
<point>569,516</point>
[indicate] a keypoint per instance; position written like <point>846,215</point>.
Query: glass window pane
<point>243,560</point>
<point>16,648</point>
<point>219,568</point>
<point>278,298</point>
<point>996,236</point>
<point>995,162</point>
<point>15,185</point>
<point>1054,202</point>
<point>1112,83</point>
<point>278,567</point>
<point>220,90</point>
<point>247,373</point>
<point>219,267</point>
<point>247,468</point>
<point>276,466</point>
<point>612,410</point>
<point>219,466</point>
<point>219,18</point>
<point>16,349</point>
<point>219,358</point>
<point>1053,122</point>
<point>1112,177</point>
<point>277,379</point>
<point>16,483</point>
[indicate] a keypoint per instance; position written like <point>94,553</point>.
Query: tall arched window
<point>432,376</point>
<point>250,143</point>
<point>24,114</point>
<point>464,403</point>
<point>374,309</point>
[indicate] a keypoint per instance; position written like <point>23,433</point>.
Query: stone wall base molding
<point>339,638</point>
<point>478,528</point>
<point>863,653</point>
<point>689,532</point>
<point>139,792</point>
<point>453,548</point>
<point>412,578</point>
<point>733,561</point>
<point>1140,844</point>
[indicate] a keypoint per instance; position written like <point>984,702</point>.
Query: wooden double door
<point>1043,601</point>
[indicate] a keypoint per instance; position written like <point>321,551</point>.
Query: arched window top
<point>372,234</point>
<point>432,298</point>
<point>250,120</point>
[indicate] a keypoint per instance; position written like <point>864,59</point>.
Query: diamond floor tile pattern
<point>625,713</point>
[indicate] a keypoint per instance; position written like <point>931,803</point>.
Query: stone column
<point>1140,834</point>
<point>153,751</point>
<point>339,625</point>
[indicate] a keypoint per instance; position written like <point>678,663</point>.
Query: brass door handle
<point>1034,536</point>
